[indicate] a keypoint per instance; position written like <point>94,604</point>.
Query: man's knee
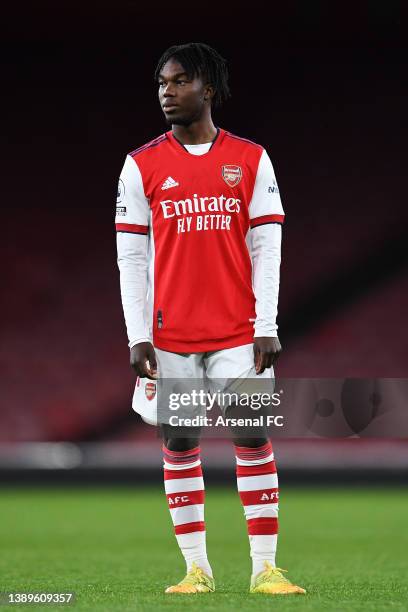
<point>249,435</point>
<point>180,439</point>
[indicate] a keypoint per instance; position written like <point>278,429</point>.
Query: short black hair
<point>199,59</point>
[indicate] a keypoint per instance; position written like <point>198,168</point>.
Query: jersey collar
<point>182,149</point>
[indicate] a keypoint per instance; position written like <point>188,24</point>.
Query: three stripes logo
<point>169,183</point>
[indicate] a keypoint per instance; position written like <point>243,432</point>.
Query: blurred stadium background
<point>323,87</point>
<point>323,92</point>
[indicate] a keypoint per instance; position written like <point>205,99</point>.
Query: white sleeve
<point>266,218</point>
<point>132,220</point>
<point>265,205</point>
<point>266,255</point>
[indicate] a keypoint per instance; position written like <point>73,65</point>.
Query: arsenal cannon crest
<point>232,175</point>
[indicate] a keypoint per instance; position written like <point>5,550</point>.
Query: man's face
<point>181,98</point>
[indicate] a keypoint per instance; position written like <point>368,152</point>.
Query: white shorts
<point>231,369</point>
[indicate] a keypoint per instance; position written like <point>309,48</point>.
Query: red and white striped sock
<point>184,486</point>
<point>257,482</point>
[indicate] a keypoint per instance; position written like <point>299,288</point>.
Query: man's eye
<point>181,82</point>
<point>161,84</point>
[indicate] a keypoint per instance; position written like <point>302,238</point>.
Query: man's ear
<point>209,92</point>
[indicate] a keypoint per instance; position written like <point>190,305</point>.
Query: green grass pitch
<point>115,549</point>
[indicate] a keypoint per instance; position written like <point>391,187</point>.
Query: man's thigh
<point>175,371</point>
<point>179,365</point>
<point>231,372</point>
<point>236,362</point>
<point>180,379</point>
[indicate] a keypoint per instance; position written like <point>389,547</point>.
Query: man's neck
<point>195,133</point>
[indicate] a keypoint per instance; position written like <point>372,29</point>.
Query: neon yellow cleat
<point>272,582</point>
<point>196,581</point>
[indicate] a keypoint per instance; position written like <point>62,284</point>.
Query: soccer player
<point>198,224</point>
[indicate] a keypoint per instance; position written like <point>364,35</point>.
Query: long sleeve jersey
<point>199,241</point>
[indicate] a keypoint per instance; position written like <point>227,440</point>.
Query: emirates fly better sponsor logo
<point>189,212</point>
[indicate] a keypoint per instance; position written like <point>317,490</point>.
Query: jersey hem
<point>203,346</point>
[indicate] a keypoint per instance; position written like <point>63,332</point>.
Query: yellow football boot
<point>196,581</point>
<point>272,582</point>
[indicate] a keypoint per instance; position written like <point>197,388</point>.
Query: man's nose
<point>168,90</point>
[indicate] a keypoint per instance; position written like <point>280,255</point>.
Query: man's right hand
<point>140,354</point>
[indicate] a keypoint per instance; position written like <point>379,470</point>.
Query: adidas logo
<point>169,183</point>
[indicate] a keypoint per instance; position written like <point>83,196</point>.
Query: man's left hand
<point>266,352</point>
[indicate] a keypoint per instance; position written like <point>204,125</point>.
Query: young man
<point>199,232</point>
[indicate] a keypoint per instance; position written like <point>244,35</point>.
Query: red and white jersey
<point>187,254</point>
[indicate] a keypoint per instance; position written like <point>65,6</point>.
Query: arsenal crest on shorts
<point>232,175</point>
<point>150,390</point>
